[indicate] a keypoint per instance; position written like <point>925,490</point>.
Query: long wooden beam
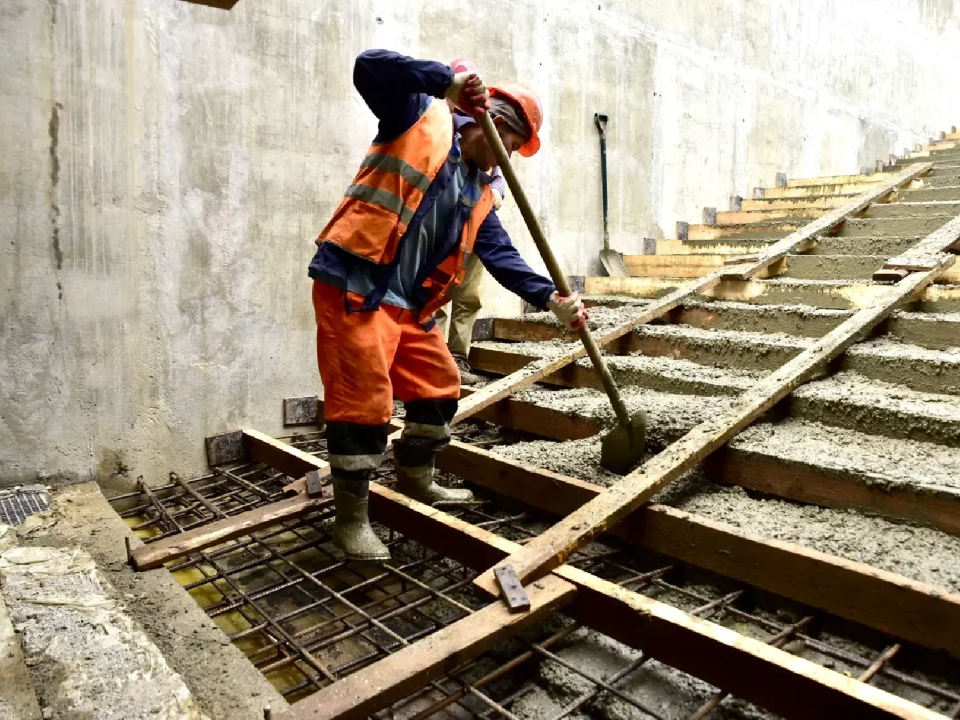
<point>771,678</point>
<point>396,676</point>
<point>891,603</point>
<point>156,554</point>
<point>551,548</point>
<point>788,244</point>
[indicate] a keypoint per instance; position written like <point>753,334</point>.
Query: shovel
<point>611,260</point>
<point>623,446</point>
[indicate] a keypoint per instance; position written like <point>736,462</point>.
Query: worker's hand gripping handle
<point>556,274</point>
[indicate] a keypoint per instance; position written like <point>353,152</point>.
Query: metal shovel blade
<point>624,446</point>
<point>612,262</point>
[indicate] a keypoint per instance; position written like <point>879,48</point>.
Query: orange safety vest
<point>386,192</point>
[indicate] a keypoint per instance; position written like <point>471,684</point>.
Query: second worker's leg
<point>425,433</point>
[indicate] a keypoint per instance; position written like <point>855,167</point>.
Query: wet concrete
<point>916,552</point>
<point>846,267</point>
<point>921,225</point>
<point>864,245</point>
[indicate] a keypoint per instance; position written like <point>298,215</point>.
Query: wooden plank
<point>790,243</point>
<point>511,589</point>
<point>748,217</point>
<point>526,377</point>
<point>891,603</point>
<point>839,180</point>
<point>396,676</point>
<point>281,456</point>
<point>761,674</point>
<point>538,420</point>
<point>793,203</point>
<point>829,487</point>
<point>679,266</point>
<point>551,548</point>
<point>717,232</point>
<point>163,551</point>
<point>838,190</point>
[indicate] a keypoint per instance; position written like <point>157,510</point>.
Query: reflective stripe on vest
<point>389,186</point>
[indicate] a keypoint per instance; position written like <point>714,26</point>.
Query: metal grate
<point>20,503</point>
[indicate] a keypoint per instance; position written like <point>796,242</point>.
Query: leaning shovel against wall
<point>612,260</point>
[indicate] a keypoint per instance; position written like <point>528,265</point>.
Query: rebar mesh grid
<point>305,618</point>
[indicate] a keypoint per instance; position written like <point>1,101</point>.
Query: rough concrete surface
<point>221,679</point>
<point>17,698</point>
<point>916,552</point>
<point>167,166</point>
<point>87,657</point>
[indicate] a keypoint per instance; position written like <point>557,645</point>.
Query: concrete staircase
<point>880,433</point>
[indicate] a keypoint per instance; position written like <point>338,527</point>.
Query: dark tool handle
<point>601,120</point>
<point>556,274</point>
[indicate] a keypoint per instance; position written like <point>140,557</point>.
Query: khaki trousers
<point>461,313</point>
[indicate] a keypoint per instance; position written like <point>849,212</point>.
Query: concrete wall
<point>164,168</point>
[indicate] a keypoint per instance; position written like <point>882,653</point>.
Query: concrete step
<point>884,246</point>
<point>897,226</point>
<point>846,399</point>
<point>918,368</point>
<point>925,194</point>
<point>841,294</point>
<point>941,179</point>
<point>793,203</point>
<point>836,267</point>
<point>806,452</point>
<point>766,229</point>
<point>839,179</point>
<point>847,190</point>
<point>935,331</point>
<point>909,209</point>
<point>724,246</point>
<point>941,166</point>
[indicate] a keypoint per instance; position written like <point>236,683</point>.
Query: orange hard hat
<point>528,102</point>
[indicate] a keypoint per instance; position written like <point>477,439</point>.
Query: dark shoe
<point>466,376</point>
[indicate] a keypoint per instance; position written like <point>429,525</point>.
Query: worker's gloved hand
<point>497,199</point>
<point>569,310</point>
<point>468,93</point>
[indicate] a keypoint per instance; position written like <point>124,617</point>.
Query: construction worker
<point>456,319</point>
<point>419,206</point>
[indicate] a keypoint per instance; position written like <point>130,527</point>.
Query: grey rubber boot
<point>351,529</point>
<point>418,483</point>
<point>467,377</point>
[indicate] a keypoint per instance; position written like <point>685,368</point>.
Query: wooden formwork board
<point>833,190</point>
<point>749,217</point>
<point>551,548</point>
<point>839,179</point>
<point>822,202</point>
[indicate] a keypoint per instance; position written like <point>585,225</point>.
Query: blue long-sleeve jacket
<point>397,89</point>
